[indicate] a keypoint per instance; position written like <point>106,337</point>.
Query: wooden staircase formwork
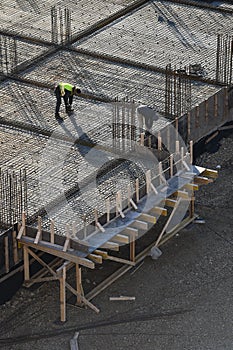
<point>128,224</point>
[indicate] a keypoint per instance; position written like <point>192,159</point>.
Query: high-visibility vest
<point>65,86</point>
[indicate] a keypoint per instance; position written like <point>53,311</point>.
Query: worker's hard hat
<point>77,91</point>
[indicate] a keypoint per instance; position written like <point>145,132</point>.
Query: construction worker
<point>67,91</point>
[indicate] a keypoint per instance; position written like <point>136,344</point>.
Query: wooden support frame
<point>127,236</point>
<point>168,222</point>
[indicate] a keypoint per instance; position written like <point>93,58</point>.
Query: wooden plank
<point>96,258</point>
<point>137,190</point>
<point>148,181</point>
<point>210,173</point>
<point>148,218</point>
<point>111,246</point>
<point>26,264</point>
<point>57,250</point>
<point>24,222</point>
<point>38,237</point>
<point>159,211</point>
<point>153,188</point>
<point>121,239</point>
<point>40,261</point>
<point>168,222</point>
<point>39,232</point>
<point>63,295</point>
<point>21,232</point>
<point>133,204</point>
<point>191,151</point>
<point>182,194</point>
<point>211,137</point>
<point>67,241</point>
<point>130,231</point>
<point>41,280</point>
<point>40,274</point>
<point>78,273</point>
<point>15,248</point>
<point>67,264</point>
<point>121,298</point>
<point>6,249</point>
<point>139,224</point>
<point>121,261</point>
<point>52,231</point>
<point>108,209</point>
<point>170,202</point>
<point>83,299</point>
<point>101,253</point>
<point>140,257</point>
<point>100,227</point>
<point>191,187</point>
<point>202,180</point>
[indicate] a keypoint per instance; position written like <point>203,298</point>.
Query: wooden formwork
<point>124,228</point>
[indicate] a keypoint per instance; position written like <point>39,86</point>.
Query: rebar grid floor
<point>107,79</point>
<point>161,33</point>
<point>34,19</point>
<point>29,108</point>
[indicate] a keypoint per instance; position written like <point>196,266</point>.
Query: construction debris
<point>121,298</point>
<point>74,342</point>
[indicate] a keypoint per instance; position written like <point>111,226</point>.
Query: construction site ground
<point>183,300</point>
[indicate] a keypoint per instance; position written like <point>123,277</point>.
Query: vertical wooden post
<point>52,225</point>
<point>6,246</point>
<point>108,209</point>
<point>149,141</point>
<point>26,264</point>
<point>63,295</point>
<point>148,181</point>
<point>24,222</point>
<point>142,139</point>
<point>191,151</point>
<point>129,196</point>
<point>171,165</point>
<point>160,173</point>
<point>182,156</point>
<point>177,147</point>
<point>137,190</point>
<point>78,283</point>
<point>15,248</point>
<point>159,141</point>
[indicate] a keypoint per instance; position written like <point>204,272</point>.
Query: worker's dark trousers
<point>68,98</point>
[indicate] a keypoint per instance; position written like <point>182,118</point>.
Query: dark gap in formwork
<point>10,286</point>
<point>211,143</point>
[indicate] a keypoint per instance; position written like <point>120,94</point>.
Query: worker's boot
<point>58,117</point>
<point>69,109</point>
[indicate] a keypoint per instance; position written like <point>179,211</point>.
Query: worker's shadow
<point>83,143</point>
